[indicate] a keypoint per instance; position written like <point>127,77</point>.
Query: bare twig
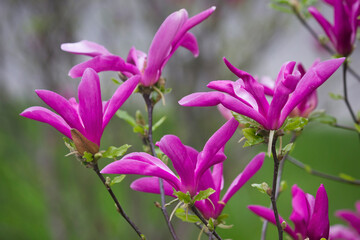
<point>203,220</point>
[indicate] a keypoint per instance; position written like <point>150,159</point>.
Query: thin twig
<point>315,35</point>
<point>150,108</point>
<point>346,99</point>
<point>117,203</point>
<point>203,220</point>
<point>281,168</point>
<point>344,127</point>
<point>274,187</point>
<point>321,174</point>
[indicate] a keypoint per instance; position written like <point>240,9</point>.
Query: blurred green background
<point>45,195</point>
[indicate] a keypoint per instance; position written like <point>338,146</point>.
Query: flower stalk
<point>150,108</point>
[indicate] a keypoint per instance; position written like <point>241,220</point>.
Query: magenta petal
<point>161,45</point>
<point>151,185</point>
<point>318,226</point>
<point>328,28</point>
<point>103,63</point>
<point>142,164</point>
<point>173,148</point>
<point>120,96</point>
<point>340,232</point>
<point>352,218</point>
<point>46,116</point>
<point>314,77</point>
<point>189,42</point>
<point>342,29</point>
<point>301,213</point>
<point>137,58</point>
<point>85,47</point>
<point>90,105</point>
<point>268,215</point>
<point>62,107</point>
<point>253,166</point>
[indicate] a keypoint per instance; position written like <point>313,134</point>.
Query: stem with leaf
<point>150,107</point>
<point>117,203</point>
<point>203,220</point>
<point>274,187</point>
<point>281,168</point>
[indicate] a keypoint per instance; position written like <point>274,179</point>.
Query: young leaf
<point>203,194</point>
<point>115,152</point>
<point>117,179</point>
<point>69,144</point>
<point>246,121</point>
<point>346,177</point>
<point>158,123</point>
<point>210,225</point>
<point>221,218</point>
<point>357,127</point>
<point>186,217</point>
<point>116,81</point>
<point>262,187</point>
<point>88,157</point>
<point>125,116</point>
<point>322,117</point>
<point>336,96</point>
<point>295,124</point>
<point>251,137</point>
<point>288,148</point>
<point>183,197</point>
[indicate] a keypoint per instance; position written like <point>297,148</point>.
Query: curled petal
<point>173,148</point>
<point>85,47</point>
<point>103,63</point>
<point>151,185</point>
<point>120,96</point>
<point>90,105</point>
<point>190,43</point>
<point>46,116</point>
<point>268,214</point>
<point>352,218</point>
<point>318,226</point>
<point>63,107</point>
<point>253,166</point>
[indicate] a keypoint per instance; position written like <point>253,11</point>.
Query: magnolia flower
<point>309,215</point>
<point>342,33</point>
<point>246,96</point>
<point>173,33</point>
<point>89,117</point>
<point>189,164</point>
<point>347,233</point>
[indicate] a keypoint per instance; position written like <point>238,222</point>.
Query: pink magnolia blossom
<point>188,163</point>
<point>347,233</point>
<point>309,215</point>
<point>342,33</point>
<point>173,33</point>
<point>90,115</point>
<point>246,96</point>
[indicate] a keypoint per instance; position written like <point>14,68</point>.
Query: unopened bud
<point>283,225</point>
<point>269,191</point>
<point>157,204</point>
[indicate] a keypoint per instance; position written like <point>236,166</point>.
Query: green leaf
<point>211,224</point>
<point>158,123</point>
<point>117,179</point>
<point>69,144</point>
<point>88,157</point>
<point>167,90</point>
<point>336,96</point>
<point>262,187</point>
<point>115,152</point>
<point>251,137</point>
<point>139,129</point>
<point>322,117</point>
<point>125,116</point>
<point>357,127</point>
<point>183,197</point>
<point>346,177</point>
<point>280,8</point>
<point>186,217</point>
<point>246,121</point>
<point>203,194</point>
<point>294,124</point>
<point>288,148</point>
<point>115,81</point>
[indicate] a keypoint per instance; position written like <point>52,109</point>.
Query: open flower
<point>89,117</point>
<point>347,233</point>
<point>246,96</point>
<point>342,33</point>
<point>309,215</point>
<point>173,33</point>
<point>189,164</point>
